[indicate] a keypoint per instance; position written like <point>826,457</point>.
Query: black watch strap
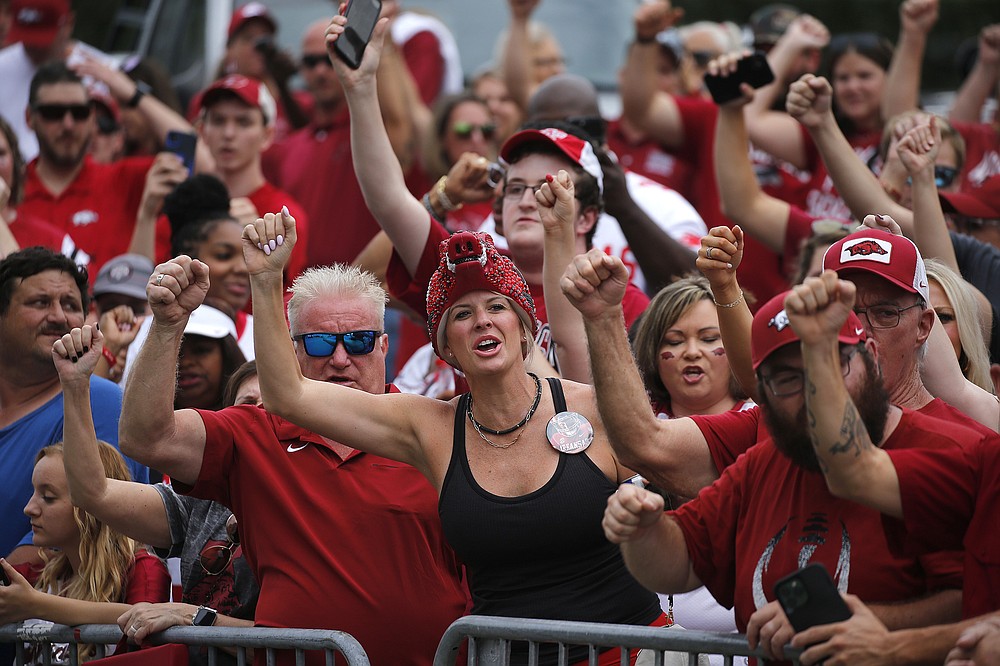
<point>141,90</point>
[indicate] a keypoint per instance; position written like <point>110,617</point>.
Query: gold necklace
<point>517,426</point>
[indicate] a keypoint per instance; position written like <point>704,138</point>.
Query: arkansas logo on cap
<point>779,321</point>
<point>868,249</point>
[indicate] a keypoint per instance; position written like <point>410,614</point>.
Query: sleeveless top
<point>544,554</point>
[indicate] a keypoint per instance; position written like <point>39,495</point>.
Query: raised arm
<point>134,509</point>
<point>150,431</point>
<point>981,82</point>
<point>902,84</point>
<point>809,101</point>
<point>763,216</point>
<point>556,209</point>
<point>384,424</point>
<point>166,173</point>
<point>673,454</point>
<point>735,319</point>
<point>515,64</point>
<point>8,243</point>
<point>854,466</point>
<point>643,105</point>
<point>160,116</point>
<point>399,213</point>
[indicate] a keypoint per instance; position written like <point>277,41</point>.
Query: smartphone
<point>4,578</point>
<point>809,597</point>
<point>183,144</point>
<point>753,70</point>
<point>362,15</point>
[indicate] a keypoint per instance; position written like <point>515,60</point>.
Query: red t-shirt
<point>148,580</point>
<point>765,517</point>
<point>652,160</point>
<point>351,544</point>
<point>98,209</point>
<point>982,153</point>
<point>822,199</point>
<point>950,498</point>
<point>29,232</point>
<point>315,166</point>
<point>760,272</point>
<point>412,290</point>
<point>731,433</point>
<point>422,54</point>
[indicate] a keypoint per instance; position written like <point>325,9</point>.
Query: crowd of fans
<point>685,351</point>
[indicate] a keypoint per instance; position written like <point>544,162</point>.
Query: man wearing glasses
<point>337,538</point>
<point>768,512</point>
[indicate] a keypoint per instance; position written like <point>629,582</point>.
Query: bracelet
<point>109,357</point>
<point>442,197</point>
<point>430,209</point>
<point>729,305</point>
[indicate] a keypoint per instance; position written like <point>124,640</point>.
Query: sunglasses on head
<point>54,112</point>
<point>464,130</point>
<point>309,61</point>
<point>356,343</point>
<point>215,559</point>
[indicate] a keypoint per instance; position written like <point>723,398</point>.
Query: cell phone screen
<point>183,145</point>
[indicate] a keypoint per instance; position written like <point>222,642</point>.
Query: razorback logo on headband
<point>468,261</point>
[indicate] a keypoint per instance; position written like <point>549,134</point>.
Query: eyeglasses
<point>884,316</point>
<point>464,130</point>
<point>55,112</point>
<point>943,176</point>
<point>791,382</point>
<point>356,343</point>
<point>215,559</point>
<point>310,60</point>
<point>516,190</point>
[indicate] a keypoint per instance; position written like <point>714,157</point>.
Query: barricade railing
<point>490,641</point>
<point>240,638</point>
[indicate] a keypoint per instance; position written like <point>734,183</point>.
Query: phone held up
<point>752,69</point>
<point>183,145</point>
<point>809,598</point>
<point>362,15</point>
<point>4,578</point>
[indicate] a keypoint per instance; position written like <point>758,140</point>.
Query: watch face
<point>205,617</point>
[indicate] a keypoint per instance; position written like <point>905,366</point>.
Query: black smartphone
<point>182,144</point>
<point>753,70</point>
<point>4,578</point>
<point>809,598</point>
<point>362,15</point>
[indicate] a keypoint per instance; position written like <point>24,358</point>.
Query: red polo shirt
<point>98,208</point>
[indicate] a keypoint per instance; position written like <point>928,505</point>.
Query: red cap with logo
<point>468,261</point>
<point>251,91</point>
<point>771,330</point>
<point>982,202</point>
<point>881,253</point>
<point>36,22</point>
<point>575,148</point>
<point>248,12</point>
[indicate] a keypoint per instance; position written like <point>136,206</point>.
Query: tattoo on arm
<point>811,418</point>
<point>853,434</point>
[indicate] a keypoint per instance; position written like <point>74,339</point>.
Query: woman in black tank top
<point>523,466</point>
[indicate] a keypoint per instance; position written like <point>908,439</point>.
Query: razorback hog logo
<point>779,321</point>
<point>865,248</point>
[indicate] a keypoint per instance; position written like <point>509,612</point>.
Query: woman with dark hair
<point>208,358</point>
<point>856,65</point>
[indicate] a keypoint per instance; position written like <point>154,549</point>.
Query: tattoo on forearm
<point>853,436</point>
<point>811,418</point>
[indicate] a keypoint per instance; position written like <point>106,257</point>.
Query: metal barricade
<point>490,641</point>
<point>241,638</point>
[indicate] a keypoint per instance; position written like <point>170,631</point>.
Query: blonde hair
<point>333,283</point>
<point>106,556</point>
<point>973,357</point>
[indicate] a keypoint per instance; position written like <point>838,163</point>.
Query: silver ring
<point>159,279</point>
<point>708,254</point>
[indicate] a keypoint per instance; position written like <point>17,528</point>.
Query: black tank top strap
<point>558,398</point>
<point>458,440</point>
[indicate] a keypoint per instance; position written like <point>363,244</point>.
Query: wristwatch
<point>141,90</point>
<point>205,617</point>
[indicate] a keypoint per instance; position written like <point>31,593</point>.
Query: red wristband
<point>109,357</point>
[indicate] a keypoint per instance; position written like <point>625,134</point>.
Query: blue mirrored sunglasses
<point>356,343</point>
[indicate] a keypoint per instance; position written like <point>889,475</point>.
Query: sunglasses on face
<point>54,112</point>
<point>356,343</point>
<point>464,130</point>
<point>943,176</point>
<point>309,61</point>
<point>215,559</point>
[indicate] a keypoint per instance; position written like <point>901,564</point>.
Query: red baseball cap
<point>575,148</point>
<point>771,330</point>
<point>36,22</point>
<point>251,91</point>
<point>248,12</point>
<point>887,255</point>
<point>982,201</point>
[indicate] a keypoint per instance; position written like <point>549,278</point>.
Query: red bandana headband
<point>468,261</point>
